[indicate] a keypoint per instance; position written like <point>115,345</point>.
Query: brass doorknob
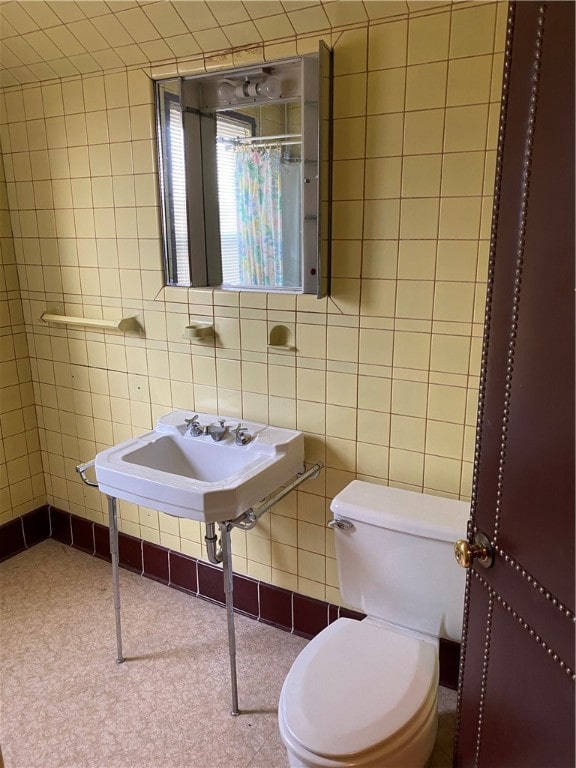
<point>480,550</point>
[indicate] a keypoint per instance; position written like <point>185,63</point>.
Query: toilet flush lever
<point>340,524</point>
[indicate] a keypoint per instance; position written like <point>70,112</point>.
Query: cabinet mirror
<point>244,170</point>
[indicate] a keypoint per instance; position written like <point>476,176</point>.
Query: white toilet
<point>364,693</point>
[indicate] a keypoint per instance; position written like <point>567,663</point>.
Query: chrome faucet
<point>194,427</point>
<point>217,431</point>
<point>241,436</point>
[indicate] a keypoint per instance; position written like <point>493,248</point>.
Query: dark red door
<point>516,695</point>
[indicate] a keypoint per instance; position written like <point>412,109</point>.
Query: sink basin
<point>196,477</point>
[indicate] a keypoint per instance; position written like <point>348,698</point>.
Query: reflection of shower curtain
<point>259,215</point>
<point>290,185</point>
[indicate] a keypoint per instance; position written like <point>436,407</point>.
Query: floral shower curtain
<point>259,215</point>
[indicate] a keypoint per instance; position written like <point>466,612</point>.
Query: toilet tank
<point>397,561</point>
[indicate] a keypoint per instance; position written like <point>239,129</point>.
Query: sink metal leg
<point>225,529</point>
<point>114,552</point>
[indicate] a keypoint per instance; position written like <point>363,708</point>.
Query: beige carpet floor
<point>65,703</point>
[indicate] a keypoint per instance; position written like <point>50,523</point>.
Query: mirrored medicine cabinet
<point>244,161</point>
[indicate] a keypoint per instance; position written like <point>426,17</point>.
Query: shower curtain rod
<point>266,140</point>
<point>250,139</point>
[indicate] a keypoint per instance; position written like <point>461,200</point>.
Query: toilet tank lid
<point>432,517</point>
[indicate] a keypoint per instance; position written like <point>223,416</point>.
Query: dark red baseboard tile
<point>210,582</point>
<point>102,542</point>
<point>155,562</point>
<point>276,606</point>
<point>290,611</point>
<point>183,572</point>
<point>82,534</point>
<point>61,524</point>
<point>310,615</point>
<point>12,539</point>
<point>130,553</point>
<point>24,532</point>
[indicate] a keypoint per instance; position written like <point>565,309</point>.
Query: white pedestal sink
<point>186,475</point>
<point>178,468</point>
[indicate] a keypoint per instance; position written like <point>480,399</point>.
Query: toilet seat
<point>334,709</point>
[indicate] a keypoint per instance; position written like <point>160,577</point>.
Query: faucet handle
<point>193,426</point>
<point>241,435</point>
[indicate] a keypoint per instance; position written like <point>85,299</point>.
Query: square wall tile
<point>349,138</point>
<point>409,398</point>
<point>466,128</point>
<point>346,258</point>
<point>419,219</point>
<point>414,299</point>
<point>469,80</point>
<point>407,432</point>
<point>387,45</point>
<point>349,95</point>
<point>463,174</point>
<point>423,131</point>
<point>381,219</point>
<point>311,340</point>
<point>116,90</point>
<point>347,220</point>
<point>411,350</point>
<point>417,260</point>
<point>446,403</point>
<point>384,135</point>
<point>426,86</point>
<point>341,422</point>
<point>386,91</point>
<point>350,51</point>
<point>383,178</point>
<point>472,31</point>
<point>406,467</point>
<point>311,385</point>
<point>421,176</point>
<point>309,19</point>
<point>454,302</point>
<point>374,393</point>
<point>341,388</point>
<point>373,427</point>
<point>378,298</point>
<point>372,460</point>
<point>348,179</point>
<point>443,439</point>
<point>342,344</point>
<point>442,474</point>
<point>379,259</point>
<point>341,453</point>
<point>450,354</point>
<point>347,12</point>
<point>457,260</point>
<point>428,38</point>
<point>460,217</point>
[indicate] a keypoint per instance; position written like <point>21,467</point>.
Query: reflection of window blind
<point>229,128</point>
<point>177,180</point>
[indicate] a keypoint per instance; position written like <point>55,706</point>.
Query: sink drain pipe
<point>213,549</point>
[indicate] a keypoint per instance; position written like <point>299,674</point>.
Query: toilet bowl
<point>364,693</point>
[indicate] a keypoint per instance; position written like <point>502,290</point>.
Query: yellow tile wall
<point>384,378</point>
<point>21,474</point>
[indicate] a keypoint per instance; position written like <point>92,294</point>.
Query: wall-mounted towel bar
<point>124,325</point>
